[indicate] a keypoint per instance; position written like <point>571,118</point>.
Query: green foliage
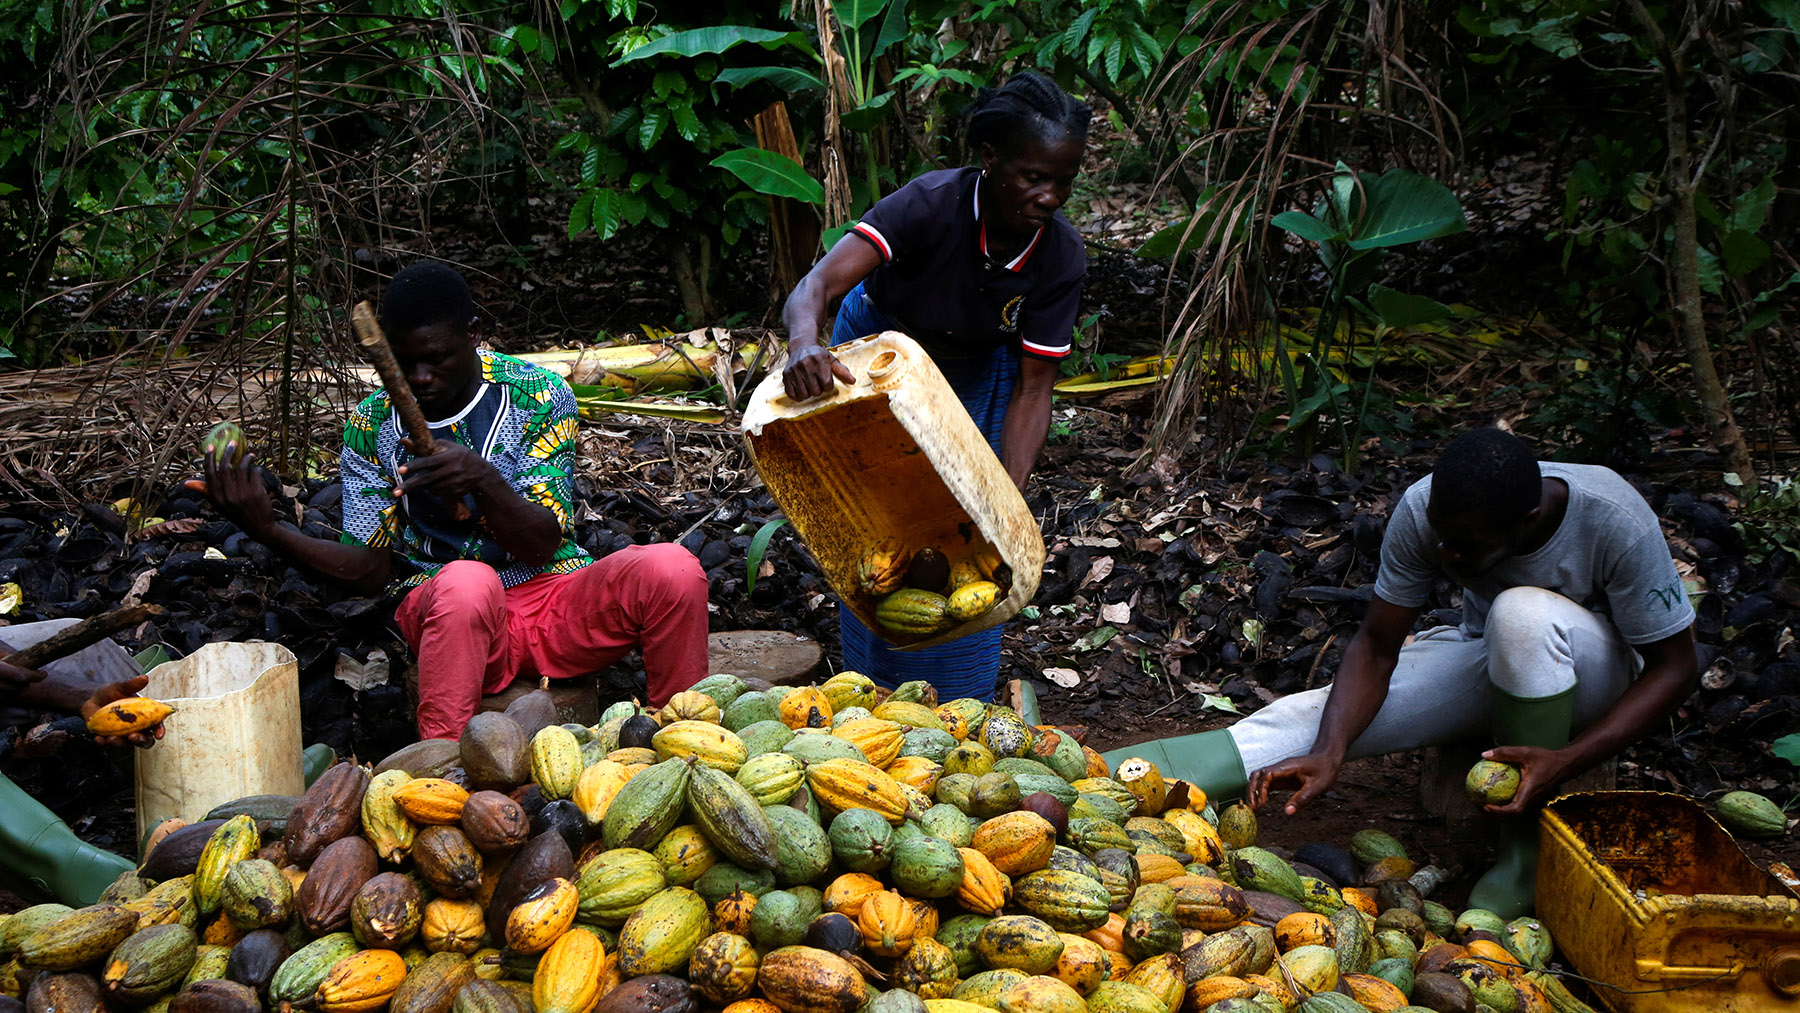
<point>1769,518</point>
<point>759,546</point>
<point>1788,748</point>
<point>1359,216</point>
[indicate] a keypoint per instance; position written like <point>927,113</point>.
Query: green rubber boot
<point>1208,760</point>
<point>39,854</point>
<point>1509,889</point>
<point>316,759</point>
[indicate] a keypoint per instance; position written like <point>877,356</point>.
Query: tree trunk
<point>691,280</point>
<point>793,224</point>
<point>1684,266</point>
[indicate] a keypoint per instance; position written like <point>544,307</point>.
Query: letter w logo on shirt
<point>1668,596</point>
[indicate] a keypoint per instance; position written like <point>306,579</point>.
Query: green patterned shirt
<point>521,418</point>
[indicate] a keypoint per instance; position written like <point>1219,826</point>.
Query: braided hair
<point>1027,107</point>
<point>426,293</point>
<point>1486,473</point>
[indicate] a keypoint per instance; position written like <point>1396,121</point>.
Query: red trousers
<point>474,637</point>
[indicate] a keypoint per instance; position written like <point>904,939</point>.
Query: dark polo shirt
<point>938,282</point>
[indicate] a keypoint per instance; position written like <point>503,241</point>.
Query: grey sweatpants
<point>1537,644</point>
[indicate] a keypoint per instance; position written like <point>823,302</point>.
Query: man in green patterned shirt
<point>503,591</point>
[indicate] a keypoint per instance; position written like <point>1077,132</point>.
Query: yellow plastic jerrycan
<point>894,455</point>
<point>1643,891</point>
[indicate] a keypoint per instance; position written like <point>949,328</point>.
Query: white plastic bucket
<point>235,732</point>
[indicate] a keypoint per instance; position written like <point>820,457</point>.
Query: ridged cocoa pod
<point>386,912</point>
<point>494,823</point>
<point>215,995</point>
<point>324,898</point>
<point>65,993</point>
<point>482,996</point>
<point>78,938</point>
<point>543,858</point>
<point>256,895</point>
<point>447,861</point>
<point>330,810</point>
<point>178,854</point>
<point>256,958</point>
<point>431,987</point>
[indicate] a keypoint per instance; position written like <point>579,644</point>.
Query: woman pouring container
<point>979,266</point>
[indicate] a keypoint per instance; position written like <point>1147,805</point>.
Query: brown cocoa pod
<point>255,958</point>
<point>330,810</point>
<point>431,987</point>
<point>178,854</point>
<point>326,894</point>
<point>215,995</point>
<point>275,853</point>
<point>1444,993</point>
<point>71,992</point>
<point>483,996</point>
<point>386,912</point>
<point>651,993</point>
<point>543,858</point>
<point>494,823</point>
<point>447,861</point>
<point>429,758</point>
<point>495,751</point>
<point>535,710</point>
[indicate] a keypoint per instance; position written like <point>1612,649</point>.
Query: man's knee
<point>670,572</point>
<point>1522,615</point>
<point>465,587</point>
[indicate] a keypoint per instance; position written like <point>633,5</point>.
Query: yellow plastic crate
<point>894,454</point>
<point>1642,890</point>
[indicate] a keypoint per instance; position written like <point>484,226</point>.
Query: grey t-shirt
<point>1608,554</point>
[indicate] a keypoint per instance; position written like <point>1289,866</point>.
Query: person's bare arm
<point>1027,418</point>
<point>237,491</point>
<point>1357,693</point>
<point>811,367</point>
<point>1670,675</point>
<point>526,530</point>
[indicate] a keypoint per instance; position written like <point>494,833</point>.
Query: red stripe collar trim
<point>1016,264</point>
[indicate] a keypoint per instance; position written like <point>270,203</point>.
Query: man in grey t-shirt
<point>1573,618</point>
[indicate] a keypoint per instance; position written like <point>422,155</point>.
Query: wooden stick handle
<point>85,633</point>
<point>393,380</point>
<point>375,349</point>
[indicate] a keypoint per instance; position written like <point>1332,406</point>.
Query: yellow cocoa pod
<point>690,706</point>
<point>596,788</point>
<point>806,707</point>
<point>567,979</point>
<point>879,740</point>
<point>431,800</point>
<point>972,600</point>
<point>1145,782</point>
<point>384,825</point>
<point>555,761</point>
<point>232,843</point>
<point>452,926</point>
<point>127,716</point>
<point>887,922</point>
<point>849,689</point>
<point>360,983</point>
<point>920,773</point>
<point>882,568</point>
<point>710,744</point>
<point>543,916</point>
<point>853,784</point>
